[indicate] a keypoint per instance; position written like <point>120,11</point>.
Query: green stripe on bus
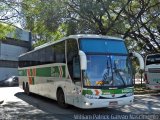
<point>31,72</point>
<point>43,72</point>
<point>56,71</point>
<point>118,91</point>
<point>33,80</point>
<point>22,72</point>
<point>64,72</point>
<point>111,91</point>
<point>89,92</point>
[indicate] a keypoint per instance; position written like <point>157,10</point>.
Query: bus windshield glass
<point>153,59</point>
<point>107,63</point>
<point>103,46</point>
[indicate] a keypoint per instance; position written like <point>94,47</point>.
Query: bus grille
<point>154,70</point>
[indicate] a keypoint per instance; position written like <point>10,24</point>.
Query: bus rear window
<point>153,59</point>
<point>92,45</point>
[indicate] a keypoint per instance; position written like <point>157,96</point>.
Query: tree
<point>4,30</point>
<point>143,24</point>
<point>135,21</point>
<point>9,14</point>
<point>9,9</point>
<point>44,18</point>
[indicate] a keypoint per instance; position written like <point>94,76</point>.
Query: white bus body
<point>87,71</point>
<point>152,71</point>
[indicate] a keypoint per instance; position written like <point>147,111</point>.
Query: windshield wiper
<point>117,71</point>
<point>106,73</point>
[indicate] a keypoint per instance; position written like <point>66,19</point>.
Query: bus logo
<point>57,71</point>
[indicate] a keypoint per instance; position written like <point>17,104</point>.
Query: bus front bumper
<point>101,103</point>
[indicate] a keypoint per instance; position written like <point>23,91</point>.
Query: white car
<point>12,81</point>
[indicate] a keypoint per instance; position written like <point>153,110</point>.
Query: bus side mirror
<point>83,60</point>
<point>140,59</point>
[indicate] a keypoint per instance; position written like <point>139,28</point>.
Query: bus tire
<point>23,86</point>
<point>27,89</point>
<point>61,98</point>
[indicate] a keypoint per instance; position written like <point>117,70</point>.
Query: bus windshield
<point>107,63</point>
<point>153,59</point>
<point>103,46</point>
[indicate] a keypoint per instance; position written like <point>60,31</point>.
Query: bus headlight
<point>88,104</point>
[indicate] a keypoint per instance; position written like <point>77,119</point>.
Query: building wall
<point>9,59</point>
<point>19,34</point>
<point>10,49</point>
<point>11,52</point>
<point>5,73</point>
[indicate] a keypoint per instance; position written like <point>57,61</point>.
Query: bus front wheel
<point>61,98</point>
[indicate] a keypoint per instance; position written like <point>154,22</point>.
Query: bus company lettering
<point>91,96</point>
<point>127,90</point>
<point>106,93</point>
<point>55,72</point>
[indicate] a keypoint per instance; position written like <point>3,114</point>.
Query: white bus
<point>87,71</point>
<point>152,71</point>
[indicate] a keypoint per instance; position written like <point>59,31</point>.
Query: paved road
<point>18,105</point>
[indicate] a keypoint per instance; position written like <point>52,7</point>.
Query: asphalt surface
<point>18,105</point>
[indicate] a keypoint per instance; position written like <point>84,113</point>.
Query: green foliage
<point>9,14</point>
<point>5,29</point>
<point>134,20</point>
<point>38,43</point>
<point>44,18</point>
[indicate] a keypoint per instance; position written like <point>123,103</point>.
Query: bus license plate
<point>113,103</point>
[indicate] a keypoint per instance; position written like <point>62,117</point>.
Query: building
<point>10,49</point>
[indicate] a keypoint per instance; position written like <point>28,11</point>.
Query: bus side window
<point>76,68</point>
<point>59,52</point>
<point>35,58</point>
<point>73,60</point>
<point>27,60</point>
<point>30,60</point>
<point>48,55</point>
<point>42,56</point>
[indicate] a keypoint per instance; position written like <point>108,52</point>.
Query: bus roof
<point>72,36</point>
<point>93,36</point>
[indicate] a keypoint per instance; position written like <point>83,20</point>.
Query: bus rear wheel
<point>61,98</point>
<point>23,86</point>
<point>27,89</point>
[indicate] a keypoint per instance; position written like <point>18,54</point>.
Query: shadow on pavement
<point>44,108</point>
<point>22,106</point>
